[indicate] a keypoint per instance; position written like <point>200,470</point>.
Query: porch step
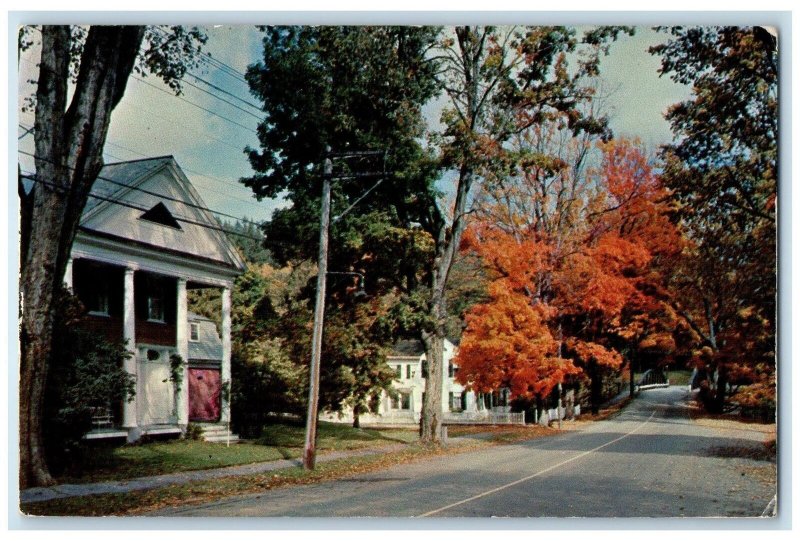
<point>218,434</point>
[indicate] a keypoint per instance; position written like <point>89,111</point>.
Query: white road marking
<point>537,474</point>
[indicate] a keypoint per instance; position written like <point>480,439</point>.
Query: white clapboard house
<point>144,240</point>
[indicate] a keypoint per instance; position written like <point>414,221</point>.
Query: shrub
<point>86,373</point>
<point>194,431</point>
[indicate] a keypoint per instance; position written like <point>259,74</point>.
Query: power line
<point>33,178</point>
<point>198,173</point>
<point>135,78</point>
<point>154,194</point>
<point>231,94</point>
<point>218,64</point>
<point>203,175</point>
<point>223,100</point>
<point>209,111</point>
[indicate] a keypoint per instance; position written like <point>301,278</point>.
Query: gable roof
<point>413,348</point>
<point>407,348</point>
<point>151,202</point>
<point>114,177</point>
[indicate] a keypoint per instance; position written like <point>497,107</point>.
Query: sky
<point>207,136</point>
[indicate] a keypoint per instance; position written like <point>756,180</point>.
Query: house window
<point>399,372</point>
<point>160,214</point>
<point>155,307</point>
<point>456,402</point>
<point>408,371</point>
<point>402,401</point>
<point>97,301</point>
<point>452,370</point>
<point>194,332</point>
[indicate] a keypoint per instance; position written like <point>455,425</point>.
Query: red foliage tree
<point>563,299</point>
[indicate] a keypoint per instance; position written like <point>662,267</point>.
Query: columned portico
<point>129,420</point>
<point>225,375</point>
<point>182,345</point>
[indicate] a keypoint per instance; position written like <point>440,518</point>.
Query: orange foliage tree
<point>574,281</point>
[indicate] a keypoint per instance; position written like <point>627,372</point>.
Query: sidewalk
<point>40,494</point>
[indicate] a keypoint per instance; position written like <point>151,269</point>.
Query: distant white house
<point>408,361</point>
<point>143,241</point>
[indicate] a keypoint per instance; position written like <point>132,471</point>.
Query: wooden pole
<point>309,452</point>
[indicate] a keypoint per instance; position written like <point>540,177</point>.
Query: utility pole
<point>310,452</point>
<point>559,405</point>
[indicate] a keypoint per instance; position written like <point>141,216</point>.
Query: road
<point>649,461</point>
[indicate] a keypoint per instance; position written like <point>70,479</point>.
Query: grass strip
<point>149,501</point>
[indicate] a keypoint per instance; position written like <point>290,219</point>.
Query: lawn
<point>333,436</point>
<point>278,441</point>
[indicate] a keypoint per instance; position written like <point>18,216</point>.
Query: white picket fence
<point>484,417</point>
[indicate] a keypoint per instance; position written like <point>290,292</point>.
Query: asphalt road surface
<point>648,461</point>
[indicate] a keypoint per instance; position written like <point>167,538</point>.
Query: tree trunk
<point>357,416</point>
<point>631,383</point>
<point>448,238</point>
<point>596,387</point>
<point>720,391</point>
<point>69,145</point>
<point>431,419</point>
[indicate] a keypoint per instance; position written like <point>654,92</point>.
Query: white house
<point>408,361</point>
<point>144,240</point>
<point>459,405</point>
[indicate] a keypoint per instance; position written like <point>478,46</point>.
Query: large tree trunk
<point>448,238</point>
<point>432,404</point>
<point>447,244</point>
<point>69,145</point>
<point>720,391</point>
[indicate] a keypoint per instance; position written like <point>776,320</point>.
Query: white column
<point>225,375</point>
<point>68,274</point>
<point>129,335</point>
<point>182,345</point>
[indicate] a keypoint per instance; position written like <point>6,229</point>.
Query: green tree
<point>70,130</point>
<point>249,238</point>
<point>265,319</point>
<point>722,170</point>
<point>364,88</point>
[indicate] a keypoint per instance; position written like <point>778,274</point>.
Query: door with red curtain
<point>204,394</point>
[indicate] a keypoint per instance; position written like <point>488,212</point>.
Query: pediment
<point>152,202</point>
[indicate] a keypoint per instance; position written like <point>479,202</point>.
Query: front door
<point>204,394</point>
<point>156,394</point>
